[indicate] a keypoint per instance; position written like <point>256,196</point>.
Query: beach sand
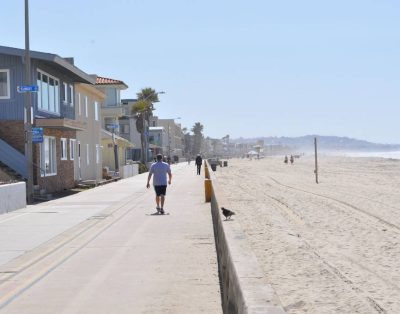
<point>332,247</point>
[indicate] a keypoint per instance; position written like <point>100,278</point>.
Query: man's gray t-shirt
<point>159,170</point>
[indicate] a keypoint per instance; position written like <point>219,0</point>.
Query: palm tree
<point>143,110</point>
<point>197,130</point>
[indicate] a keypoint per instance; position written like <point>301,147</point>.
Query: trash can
<point>214,167</point>
<point>225,163</point>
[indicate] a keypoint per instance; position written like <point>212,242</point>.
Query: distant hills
<point>325,143</point>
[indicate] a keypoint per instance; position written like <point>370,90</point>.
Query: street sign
<point>112,126</point>
<point>27,89</point>
<point>37,135</point>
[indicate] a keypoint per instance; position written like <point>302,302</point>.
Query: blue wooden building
<point>53,110</point>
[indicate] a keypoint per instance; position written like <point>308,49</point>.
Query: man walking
<point>199,162</point>
<point>160,170</point>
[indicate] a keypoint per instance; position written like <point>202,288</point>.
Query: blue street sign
<point>37,135</point>
<point>112,126</point>
<point>27,89</point>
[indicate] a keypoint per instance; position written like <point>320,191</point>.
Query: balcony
<point>113,111</point>
<point>62,123</point>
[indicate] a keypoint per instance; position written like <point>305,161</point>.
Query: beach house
<point>54,110</point>
<point>114,146</point>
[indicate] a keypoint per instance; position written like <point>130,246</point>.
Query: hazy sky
<point>244,68</point>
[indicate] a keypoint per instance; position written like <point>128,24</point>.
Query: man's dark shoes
<point>162,211</point>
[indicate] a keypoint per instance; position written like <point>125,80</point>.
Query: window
<point>48,163</point>
<point>65,98</point>
<point>79,104</point>
<point>4,84</point>
<point>49,93</point>
<point>64,149</point>
<point>97,153</point>
<point>71,95</point>
<point>125,128</point>
<point>86,107</point>
<point>87,154</point>
<point>96,111</point>
<point>52,94</point>
<point>72,149</point>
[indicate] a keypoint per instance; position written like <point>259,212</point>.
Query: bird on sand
<point>227,213</point>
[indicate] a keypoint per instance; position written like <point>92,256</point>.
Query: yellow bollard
<point>208,189</point>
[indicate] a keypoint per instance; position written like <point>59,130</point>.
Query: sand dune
<point>332,247</point>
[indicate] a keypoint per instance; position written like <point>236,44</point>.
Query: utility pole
<point>144,144</point>
<point>115,146</point>
<point>316,160</point>
<point>169,142</point>
<point>28,112</point>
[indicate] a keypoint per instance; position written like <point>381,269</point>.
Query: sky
<point>244,68</point>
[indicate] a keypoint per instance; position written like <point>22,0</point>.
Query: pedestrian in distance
<point>199,162</point>
<point>291,159</point>
<point>159,170</point>
<point>285,160</point>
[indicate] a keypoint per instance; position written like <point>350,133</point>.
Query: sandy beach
<point>332,247</point>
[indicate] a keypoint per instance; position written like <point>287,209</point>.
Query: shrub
<point>142,168</point>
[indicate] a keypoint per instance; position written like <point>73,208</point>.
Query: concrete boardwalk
<point>101,251</point>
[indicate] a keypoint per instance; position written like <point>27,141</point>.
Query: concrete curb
<point>244,287</point>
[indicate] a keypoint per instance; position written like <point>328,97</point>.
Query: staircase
<point>9,175</point>
<point>13,159</point>
<point>13,164</point>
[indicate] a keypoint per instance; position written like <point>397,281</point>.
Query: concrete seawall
<point>244,287</point>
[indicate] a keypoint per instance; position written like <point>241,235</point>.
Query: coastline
<point>326,248</point>
<point>366,154</point>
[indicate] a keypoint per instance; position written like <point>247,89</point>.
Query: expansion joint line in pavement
<point>6,297</point>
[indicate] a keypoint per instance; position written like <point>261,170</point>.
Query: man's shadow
<point>157,214</point>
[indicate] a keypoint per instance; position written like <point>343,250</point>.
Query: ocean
<point>391,155</point>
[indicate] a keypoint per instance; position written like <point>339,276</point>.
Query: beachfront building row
<point>165,136</point>
<point>86,125</point>
<point>73,108</point>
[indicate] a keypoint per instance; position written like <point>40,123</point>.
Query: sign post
<point>28,116</point>
<point>316,160</point>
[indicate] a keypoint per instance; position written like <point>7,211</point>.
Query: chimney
<point>69,60</point>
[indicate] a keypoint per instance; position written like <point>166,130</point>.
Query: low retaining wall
<point>12,197</point>
<point>244,287</point>
<point>129,171</point>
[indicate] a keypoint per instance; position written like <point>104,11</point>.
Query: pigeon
<point>227,213</point>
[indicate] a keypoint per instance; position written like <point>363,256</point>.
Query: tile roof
<point>107,81</point>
